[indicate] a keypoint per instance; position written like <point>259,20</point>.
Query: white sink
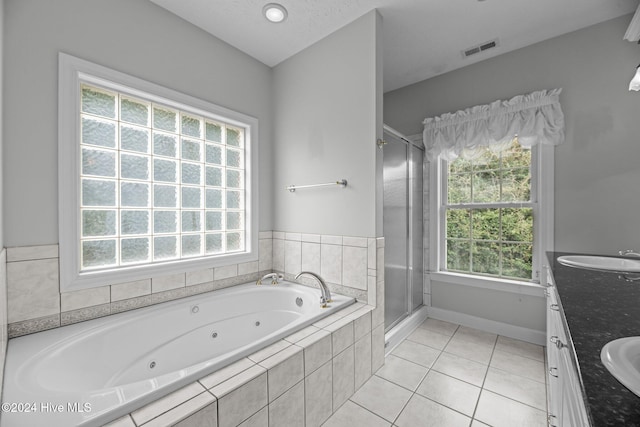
<point>622,358</point>
<point>620,265</point>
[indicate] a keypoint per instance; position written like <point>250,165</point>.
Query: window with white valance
<point>491,173</point>
<point>532,118</point>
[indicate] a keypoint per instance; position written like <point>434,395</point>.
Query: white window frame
<point>72,72</point>
<point>542,202</point>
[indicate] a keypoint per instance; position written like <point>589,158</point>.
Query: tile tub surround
<point>292,382</point>
<point>599,307</point>
<point>351,266</point>
<point>36,304</point>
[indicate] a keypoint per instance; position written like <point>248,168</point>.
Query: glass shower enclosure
<point>402,222</point>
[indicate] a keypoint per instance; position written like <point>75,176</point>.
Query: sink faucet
<point>274,278</point>
<point>628,252</point>
<point>325,296</point>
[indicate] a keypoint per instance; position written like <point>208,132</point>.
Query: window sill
<point>496,284</point>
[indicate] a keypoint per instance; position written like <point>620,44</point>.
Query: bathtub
<point>93,372</point>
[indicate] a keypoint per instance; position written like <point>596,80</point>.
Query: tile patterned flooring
<point>446,375</point>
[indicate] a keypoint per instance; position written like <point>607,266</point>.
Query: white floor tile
<point>439,326</point>
<point>476,336</point>
<point>497,380</point>
<point>382,397</point>
<point>416,353</point>
<point>429,338</point>
<point>402,372</point>
<point>518,365</point>
<point>459,346</point>
<point>450,392</point>
<point>520,348</point>
<point>461,368</point>
<point>421,411</point>
<point>498,411</point>
<point>351,415</point>
<point>518,388</point>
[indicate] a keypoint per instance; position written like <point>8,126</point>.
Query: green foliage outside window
<point>490,240</point>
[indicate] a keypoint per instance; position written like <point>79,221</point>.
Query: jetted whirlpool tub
<point>93,372</point>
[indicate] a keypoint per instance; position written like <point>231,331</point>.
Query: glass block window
<point>156,183</point>
<point>489,214</point>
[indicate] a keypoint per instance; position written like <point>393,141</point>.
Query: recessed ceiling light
<point>274,12</point>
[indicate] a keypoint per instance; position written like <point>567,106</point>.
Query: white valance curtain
<point>533,118</point>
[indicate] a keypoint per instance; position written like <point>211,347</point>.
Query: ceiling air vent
<point>479,48</point>
<point>489,45</point>
<point>471,51</point>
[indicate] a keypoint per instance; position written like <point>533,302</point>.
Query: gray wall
<point>597,171</point>
<point>525,311</point>
<point>3,253</point>
<point>2,62</point>
<point>323,135</point>
<point>133,36</point>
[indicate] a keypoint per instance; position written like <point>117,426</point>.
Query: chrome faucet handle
<point>323,301</point>
<point>325,293</point>
<point>274,278</point>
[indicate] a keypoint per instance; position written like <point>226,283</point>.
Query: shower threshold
<point>402,330</point>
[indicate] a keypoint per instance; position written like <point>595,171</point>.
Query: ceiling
<point>421,38</point>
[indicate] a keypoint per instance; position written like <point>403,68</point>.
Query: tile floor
<point>446,375</point>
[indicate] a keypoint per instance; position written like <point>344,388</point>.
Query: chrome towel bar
<point>293,188</point>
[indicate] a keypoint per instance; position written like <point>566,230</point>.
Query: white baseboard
<point>517,332</point>
<point>403,329</point>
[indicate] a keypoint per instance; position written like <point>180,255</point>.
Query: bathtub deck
<point>300,380</point>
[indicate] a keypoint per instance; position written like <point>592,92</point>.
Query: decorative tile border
<point>31,326</point>
<point>170,295</point>
<point>131,304</point>
<point>75,316</point>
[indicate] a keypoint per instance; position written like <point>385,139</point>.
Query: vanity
<point>587,309</point>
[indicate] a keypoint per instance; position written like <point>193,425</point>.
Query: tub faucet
<point>325,296</point>
<point>628,252</point>
<point>274,278</point>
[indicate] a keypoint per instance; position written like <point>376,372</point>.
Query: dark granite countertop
<point>599,307</point>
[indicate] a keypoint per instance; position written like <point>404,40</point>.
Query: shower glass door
<point>402,222</point>
<point>396,228</point>
<point>416,236</point>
